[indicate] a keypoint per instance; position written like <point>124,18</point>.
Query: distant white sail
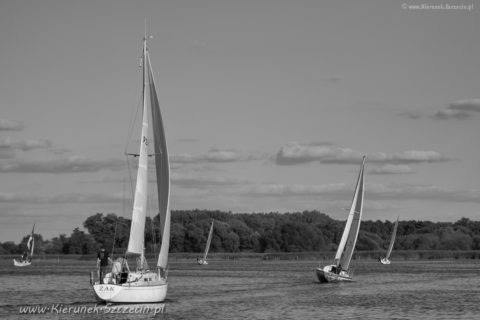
<point>28,253</point>
<point>392,240</point>
<point>209,240</point>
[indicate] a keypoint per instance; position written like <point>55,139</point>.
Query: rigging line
<point>114,236</point>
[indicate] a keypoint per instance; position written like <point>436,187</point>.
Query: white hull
<point>326,274</point>
<point>17,263</point>
<point>140,288</point>
<point>384,261</point>
<point>202,262</point>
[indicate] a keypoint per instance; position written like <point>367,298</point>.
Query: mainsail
<point>137,229</point>
<point>209,240</point>
<point>352,226</point>
<point>30,244</point>
<point>392,239</point>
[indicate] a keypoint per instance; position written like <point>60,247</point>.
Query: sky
<point>268,106</point>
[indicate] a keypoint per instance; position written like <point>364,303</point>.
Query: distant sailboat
<point>390,247</point>
<point>26,259</point>
<point>207,247</point>
<point>339,271</point>
<point>143,285</point>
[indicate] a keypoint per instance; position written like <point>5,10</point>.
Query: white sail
<point>392,239</point>
<point>161,166</point>
<point>209,240</point>
<point>352,226</point>
<point>31,243</point>
<point>137,229</point>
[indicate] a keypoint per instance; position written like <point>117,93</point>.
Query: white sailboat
<point>143,285</point>
<point>339,271</point>
<point>386,259</point>
<point>207,247</point>
<point>26,258</point>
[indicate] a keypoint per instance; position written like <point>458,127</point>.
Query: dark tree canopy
<point>256,232</point>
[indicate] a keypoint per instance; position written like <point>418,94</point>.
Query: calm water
<point>256,289</point>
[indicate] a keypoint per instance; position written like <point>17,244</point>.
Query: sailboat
<point>339,270</point>
<point>143,285</point>
<point>207,247</point>
<point>26,259</point>
<point>390,247</point>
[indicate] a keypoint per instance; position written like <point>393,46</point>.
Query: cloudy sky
<point>268,106</point>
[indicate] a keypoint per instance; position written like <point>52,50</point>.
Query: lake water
<point>255,289</point>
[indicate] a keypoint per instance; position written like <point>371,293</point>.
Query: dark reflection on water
<point>256,289</point>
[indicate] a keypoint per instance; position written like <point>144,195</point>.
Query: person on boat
<point>102,263</point>
<point>120,265</point>
<point>24,257</point>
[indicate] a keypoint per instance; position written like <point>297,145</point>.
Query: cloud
<point>422,192</point>
<point>6,149</point>
<point>97,197</point>
<point>466,105</point>
<point>392,169</point>
<point>411,156</point>
<point>372,192</point>
<point>214,155</point>
<point>194,181</point>
<point>9,125</point>
<point>281,190</point>
<point>57,166</point>
<point>460,109</point>
<point>31,144</point>
<point>295,153</point>
<point>451,114</point>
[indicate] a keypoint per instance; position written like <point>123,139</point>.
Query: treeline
<point>257,232</point>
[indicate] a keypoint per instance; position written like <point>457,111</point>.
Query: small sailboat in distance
<point>26,259</point>
<point>144,285</point>
<point>207,247</point>
<point>339,271</point>
<point>386,259</point>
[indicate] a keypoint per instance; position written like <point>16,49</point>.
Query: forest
<point>256,232</point>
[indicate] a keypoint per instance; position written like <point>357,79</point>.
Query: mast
<point>352,226</point>
<point>209,240</point>
<point>392,239</point>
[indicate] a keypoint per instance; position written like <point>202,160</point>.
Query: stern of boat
<point>326,274</point>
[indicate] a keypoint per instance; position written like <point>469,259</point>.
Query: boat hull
<point>140,288</point>
<point>326,274</point>
<point>126,293</point>
<point>17,263</point>
<point>202,262</point>
<point>384,261</point>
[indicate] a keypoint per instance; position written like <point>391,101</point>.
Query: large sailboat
<point>26,258</point>
<point>386,259</point>
<point>207,246</point>
<point>339,270</point>
<point>143,285</point>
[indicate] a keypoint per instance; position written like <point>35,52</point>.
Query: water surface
<point>257,289</point>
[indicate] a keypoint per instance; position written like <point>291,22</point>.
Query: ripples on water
<point>256,289</point>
